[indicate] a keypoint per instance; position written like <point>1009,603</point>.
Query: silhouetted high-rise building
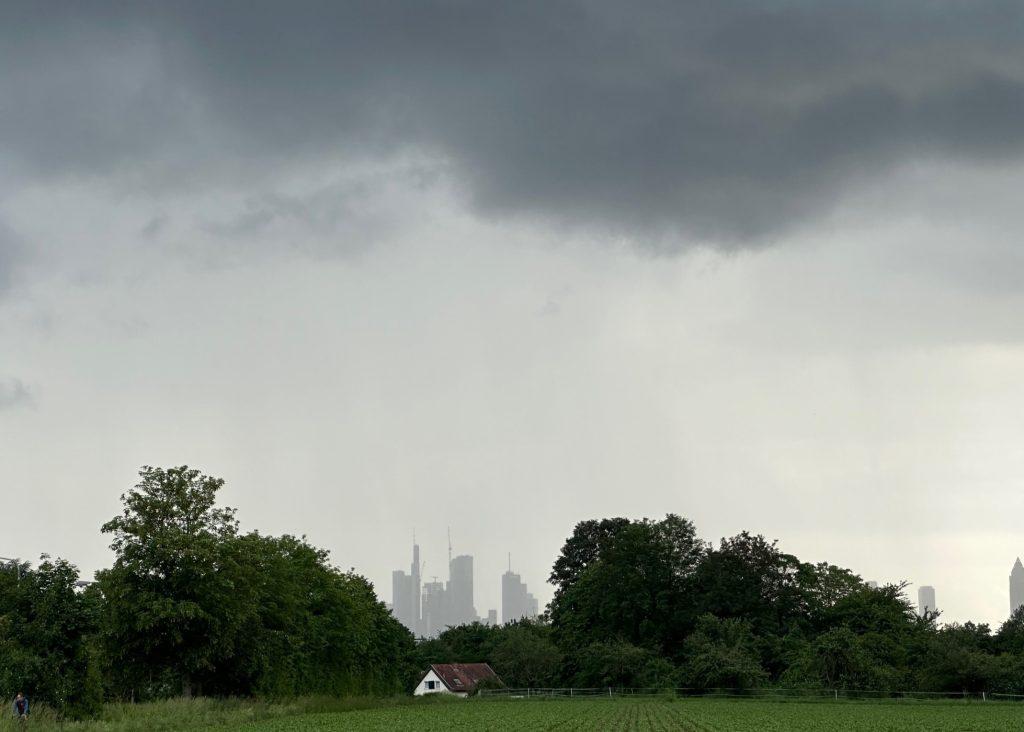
<point>435,608</point>
<point>492,617</point>
<point>405,595</point>
<point>925,599</point>
<point>460,591</point>
<point>1016,586</point>
<point>516,602</point>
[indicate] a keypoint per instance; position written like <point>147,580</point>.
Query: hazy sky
<point>507,266</point>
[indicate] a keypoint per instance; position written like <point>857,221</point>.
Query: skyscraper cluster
<point>427,608</point>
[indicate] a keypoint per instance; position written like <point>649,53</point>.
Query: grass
<point>422,715</point>
<point>197,714</point>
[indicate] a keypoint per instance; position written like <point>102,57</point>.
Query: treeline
<point>193,606</point>
<point>648,604</point>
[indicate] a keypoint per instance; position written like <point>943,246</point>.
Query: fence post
<point>609,692</point>
<point>983,698</point>
<point>836,692</point>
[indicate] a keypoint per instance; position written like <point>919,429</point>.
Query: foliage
<point>524,655</point>
<point>46,627</point>
<point>628,581</point>
<point>615,663</point>
<point>522,652</point>
<point>721,654</point>
<point>176,605</point>
<point>746,614</point>
<point>191,604</point>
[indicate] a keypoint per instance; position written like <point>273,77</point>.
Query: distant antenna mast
<point>510,562</point>
<point>449,545</point>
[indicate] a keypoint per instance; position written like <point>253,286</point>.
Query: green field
<point>398,714</point>
<point>705,715</point>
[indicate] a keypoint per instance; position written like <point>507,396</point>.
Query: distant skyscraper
<point>925,599</point>
<point>492,617</point>
<point>405,595</point>
<point>460,591</point>
<point>516,602</point>
<point>435,608</point>
<point>1016,586</point>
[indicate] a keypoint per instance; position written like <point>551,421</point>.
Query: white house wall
<point>439,687</point>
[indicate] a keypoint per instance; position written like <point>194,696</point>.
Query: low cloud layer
<point>728,124</point>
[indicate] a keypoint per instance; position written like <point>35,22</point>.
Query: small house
<point>460,679</point>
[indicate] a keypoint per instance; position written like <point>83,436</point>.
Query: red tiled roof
<point>463,676</point>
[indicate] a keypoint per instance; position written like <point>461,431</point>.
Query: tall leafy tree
<point>626,580</point>
<point>176,603</point>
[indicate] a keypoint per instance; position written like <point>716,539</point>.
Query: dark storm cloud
<point>727,121</point>
<point>11,254</point>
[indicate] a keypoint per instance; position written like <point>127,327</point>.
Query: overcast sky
<point>502,267</point>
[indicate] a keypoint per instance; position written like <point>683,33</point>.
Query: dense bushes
<point>647,604</point>
<point>47,637</point>
<point>191,605</point>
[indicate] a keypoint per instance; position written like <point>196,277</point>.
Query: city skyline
<point>427,608</point>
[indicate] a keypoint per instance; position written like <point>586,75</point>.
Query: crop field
<point>700,715</point>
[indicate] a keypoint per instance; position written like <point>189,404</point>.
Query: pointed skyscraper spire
<point>1016,586</point>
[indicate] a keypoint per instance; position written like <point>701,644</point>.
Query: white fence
<point>611,692</point>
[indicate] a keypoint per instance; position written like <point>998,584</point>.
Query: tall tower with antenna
<point>415,609</point>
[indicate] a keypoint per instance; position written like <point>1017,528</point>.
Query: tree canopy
<point>193,604</point>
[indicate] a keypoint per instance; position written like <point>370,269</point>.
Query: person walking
<point>21,708</point>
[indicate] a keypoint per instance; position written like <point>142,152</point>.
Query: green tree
<point>629,581</point>
<point>47,626</point>
<point>615,663</point>
<point>175,603</point>
<point>721,652</point>
<point>524,655</point>
<point>1010,638</point>
<point>748,577</point>
<point>315,629</point>
<point>959,659</point>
